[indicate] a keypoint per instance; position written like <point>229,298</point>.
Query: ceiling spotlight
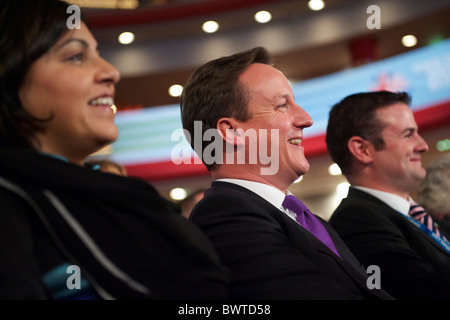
<point>342,189</point>
<point>178,193</point>
<point>316,5</point>
<point>175,90</point>
<point>409,40</point>
<point>334,170</point>
<point>263,16</point>
<point>210,26</point>
<point>126,37</point>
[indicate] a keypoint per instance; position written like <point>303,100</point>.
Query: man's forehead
<point>397,117</point>
<point>259,71</point>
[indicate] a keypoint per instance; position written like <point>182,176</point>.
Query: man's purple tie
<point>309,221</point>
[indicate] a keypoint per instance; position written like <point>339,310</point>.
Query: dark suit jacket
<point>271,256</point>
<point>444,225</point>
<point>413,265</point>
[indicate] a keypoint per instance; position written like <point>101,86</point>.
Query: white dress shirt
<point>269,193</point>
<point>395,202</point>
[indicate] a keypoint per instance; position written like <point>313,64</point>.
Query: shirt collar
<point>395,202</point>
<point>269,193</point>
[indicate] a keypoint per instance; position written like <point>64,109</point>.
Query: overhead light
<point>126,37</point>
<point>342,189</point>
<point>409,40</point>
<point>175,90</point>
<point>263,16</point>
<point>316,5</point>
<point>178,193</point>
<point>210,26</point>
<point>334,170</point>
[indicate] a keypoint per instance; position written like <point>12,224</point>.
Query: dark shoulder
<point>230,195</point>
<point>226,200</point>
<point>12,201</point>
<point>363,214</point>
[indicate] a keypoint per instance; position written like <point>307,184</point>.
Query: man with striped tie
<point>374,139</point>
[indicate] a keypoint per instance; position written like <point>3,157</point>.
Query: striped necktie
<point>418,213</point>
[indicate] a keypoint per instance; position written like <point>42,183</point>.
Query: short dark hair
<point>355,116</point>
<point>28,29</point>
<point>214,91</point>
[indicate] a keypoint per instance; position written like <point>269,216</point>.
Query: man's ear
<point>230,131</point>
<point>359,148</point>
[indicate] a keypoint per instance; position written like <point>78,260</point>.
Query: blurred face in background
<point>74,87</point>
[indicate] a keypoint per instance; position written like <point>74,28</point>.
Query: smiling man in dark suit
<point>253,149</point>
<point>374,139</point>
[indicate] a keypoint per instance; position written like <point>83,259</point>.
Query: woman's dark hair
<point>213,91</point>
<point>355,115</point>
<point>28,29</point>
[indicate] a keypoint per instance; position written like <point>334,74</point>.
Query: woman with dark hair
<point>67,231</point>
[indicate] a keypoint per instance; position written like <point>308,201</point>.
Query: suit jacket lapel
<point>284,221</point>
<point>387,210</point>
<point>297,233</point>
<point>291,228</point>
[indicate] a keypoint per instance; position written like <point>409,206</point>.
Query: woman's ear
<point>229,130</point>
<point>359,148</point>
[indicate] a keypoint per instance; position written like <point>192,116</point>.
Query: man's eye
<point>284,105</point>
<point>409,134</point>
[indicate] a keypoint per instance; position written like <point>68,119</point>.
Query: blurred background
<point>327,49</point>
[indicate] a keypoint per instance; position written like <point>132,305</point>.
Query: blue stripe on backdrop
<point>145,134</point>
